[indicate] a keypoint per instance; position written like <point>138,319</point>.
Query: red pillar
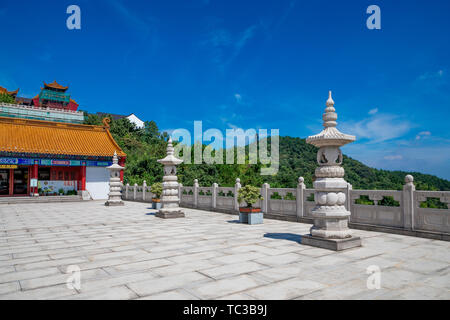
<point>121,163</point>
<point>11,182</point>
<point>83,178</point>
<point>35,176</point>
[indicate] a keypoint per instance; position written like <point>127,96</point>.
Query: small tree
<point>249,195</point>
<point>157,189</point>
<point>6,98</point>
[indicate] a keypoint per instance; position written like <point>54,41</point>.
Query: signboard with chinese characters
<point>8,166</point>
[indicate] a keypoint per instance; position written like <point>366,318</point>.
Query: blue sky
<point>249,64</point>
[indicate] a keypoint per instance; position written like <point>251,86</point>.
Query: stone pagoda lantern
<point>170,198</point>
<point>115,185</point>
<point>330,229</point>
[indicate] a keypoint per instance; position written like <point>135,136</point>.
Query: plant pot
<point>250,215</point>
<point>249,210</point>
<point>156,204</point>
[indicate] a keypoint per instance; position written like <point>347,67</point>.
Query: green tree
<point>249,194</point>
<point>6,98</point>
<point>157,189</point>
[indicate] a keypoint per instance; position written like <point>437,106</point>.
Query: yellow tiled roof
<point>55,85</point>
<point>46,137</point>
<point>5,91</point>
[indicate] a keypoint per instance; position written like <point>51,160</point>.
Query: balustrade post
<point>265,195</point>
<point>214,195</point>
<point>144,190</point>
<point>300,197</point>
<point>195,193</point>
<point>179,192</point>
<point>134,191</point>
<point>237,186</point>
<point>349,200</point>
<point>126,191</point>
<point>408,202</point>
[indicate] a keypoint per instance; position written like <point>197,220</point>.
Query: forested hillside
<point>297,158</point>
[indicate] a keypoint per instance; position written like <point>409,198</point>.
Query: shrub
<point>290,196</point>
<point>157,189</point>
<point>249,195</point>
<point>275,195</point>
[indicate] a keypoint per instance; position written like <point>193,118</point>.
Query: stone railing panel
<point>432,219</point>
<point>377,214</point>
<point>187,196</point>
<point>225,198</point>
<point>308,204</point>
<point>282,201</point>
<point>204,200</point>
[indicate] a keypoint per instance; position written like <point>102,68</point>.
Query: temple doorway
<point>20,183</point>
<point>4,182</point>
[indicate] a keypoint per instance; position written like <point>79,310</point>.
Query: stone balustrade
<point>379,210</point>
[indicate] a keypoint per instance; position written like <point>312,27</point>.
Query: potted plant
<point>61,191</point>
<point>156,189</point>
<point>249,214</point>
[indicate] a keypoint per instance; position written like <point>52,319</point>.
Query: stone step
<point>14,200</point>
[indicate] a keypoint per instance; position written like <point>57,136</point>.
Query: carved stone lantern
<point>170,198</point>
<point>115,185</point>
<point>330,229</point>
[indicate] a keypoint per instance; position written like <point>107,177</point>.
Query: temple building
<point>55,96</point>
<point>53,103</point>
<point>48,158</point>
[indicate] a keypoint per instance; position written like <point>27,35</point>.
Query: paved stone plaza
<point>128,253</point>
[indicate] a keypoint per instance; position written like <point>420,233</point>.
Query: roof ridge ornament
<point>106,121</point>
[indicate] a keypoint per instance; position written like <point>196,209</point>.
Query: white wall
<point>138,122</point>
<point>97,182</point>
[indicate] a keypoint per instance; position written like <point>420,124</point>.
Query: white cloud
<point>226,46</point>
<point>373,111</point>
<point>378,128</point>
<point>393,157</point>
<point>244,37</point>
<point>431,159</point>
<point>432,75</point>
<point>423,134</point>
<point>238,97</point>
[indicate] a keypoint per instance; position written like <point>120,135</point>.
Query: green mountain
<point>297,158</point>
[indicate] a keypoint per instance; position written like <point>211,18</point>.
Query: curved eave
<point>119,151</point>
<point>330,137</point>
<point>170,160</point>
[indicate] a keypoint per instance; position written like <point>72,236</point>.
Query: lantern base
<point>170,214</point>
<point>114,203</point>
<point>331,244</point>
